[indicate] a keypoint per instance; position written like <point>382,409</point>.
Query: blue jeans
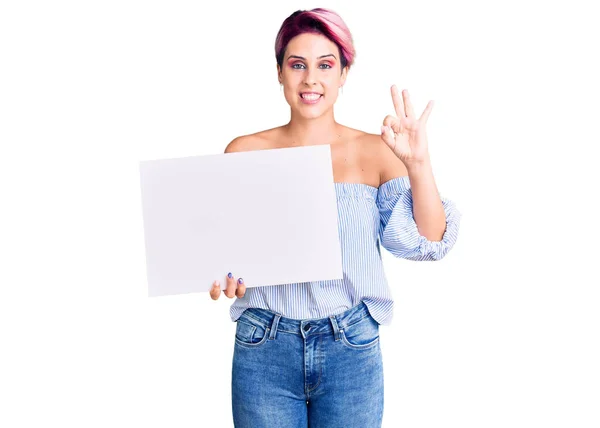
<point>317,373</point>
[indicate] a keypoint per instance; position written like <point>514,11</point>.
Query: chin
<point>309,115</point>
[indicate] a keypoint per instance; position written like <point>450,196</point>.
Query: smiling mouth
<point>310,97</point>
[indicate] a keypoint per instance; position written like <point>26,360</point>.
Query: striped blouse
<point>367,216</point>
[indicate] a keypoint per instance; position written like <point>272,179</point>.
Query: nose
<point>309,77</point>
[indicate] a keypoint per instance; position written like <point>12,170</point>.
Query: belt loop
<point>336,330</point>
<point>274,325</point>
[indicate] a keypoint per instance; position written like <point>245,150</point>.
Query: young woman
<point>308,354</point>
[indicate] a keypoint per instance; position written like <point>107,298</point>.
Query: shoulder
<point>258,141</point>
<point>242,143</point>
<point>388,164</point>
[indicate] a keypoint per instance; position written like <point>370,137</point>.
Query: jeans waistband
<point>331,324</point>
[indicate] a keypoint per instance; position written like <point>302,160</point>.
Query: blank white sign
<point>267,216</point>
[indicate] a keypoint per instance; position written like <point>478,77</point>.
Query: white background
<point>503,332</point>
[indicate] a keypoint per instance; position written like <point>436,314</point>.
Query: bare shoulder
<point>258,141</point>
<point>388,164</point>
<point>243,143</point>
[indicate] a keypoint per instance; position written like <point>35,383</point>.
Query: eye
<point>328,66</point>
<point>294,66</point>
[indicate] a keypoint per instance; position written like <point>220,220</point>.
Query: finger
<point>241,289</point>
<point>407,104</point>
<point>231,286</point>
<point>393,123</point>
<point>215,291</point>
<point>398,106</point>
<point>426,113</point>
<point>388,136</point>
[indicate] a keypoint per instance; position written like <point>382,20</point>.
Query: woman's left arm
<point>428,210</point>
<point>406,136</point>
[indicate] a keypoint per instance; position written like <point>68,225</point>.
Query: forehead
<point>311,46</point>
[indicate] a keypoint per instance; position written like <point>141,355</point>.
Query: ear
<point>344,75</point>
<point>279,77</point>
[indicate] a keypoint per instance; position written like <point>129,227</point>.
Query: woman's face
<point>311,63</point>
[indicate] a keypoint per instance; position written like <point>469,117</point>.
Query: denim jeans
<point>317,373</point>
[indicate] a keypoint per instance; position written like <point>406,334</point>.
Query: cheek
<point>289,83</point>
<point>332,81</point>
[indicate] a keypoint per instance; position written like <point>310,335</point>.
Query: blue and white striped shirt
<point>365,213</point>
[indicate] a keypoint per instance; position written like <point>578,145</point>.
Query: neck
<point>306,132</point>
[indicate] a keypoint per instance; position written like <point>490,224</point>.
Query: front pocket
<point>250,333</point>
<point>362,334</point>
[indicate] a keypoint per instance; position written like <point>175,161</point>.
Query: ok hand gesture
<point>405,134</point>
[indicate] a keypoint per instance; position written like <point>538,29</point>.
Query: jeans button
<point>307,327</point>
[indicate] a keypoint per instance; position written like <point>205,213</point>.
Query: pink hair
<point>316,21</point>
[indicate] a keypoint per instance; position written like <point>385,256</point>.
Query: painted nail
<point>230,275</point>
<point>240,281</point>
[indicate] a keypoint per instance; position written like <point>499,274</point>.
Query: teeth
<point>311,97</point>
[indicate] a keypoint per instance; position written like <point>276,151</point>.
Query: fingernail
<point>240,281</point>
<point>230,275</point>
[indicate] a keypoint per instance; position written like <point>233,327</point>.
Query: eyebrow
<point>301,57</point>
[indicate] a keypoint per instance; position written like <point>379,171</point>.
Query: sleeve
<point>398,231</point>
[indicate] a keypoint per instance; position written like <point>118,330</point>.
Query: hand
<point>234,288</point>
<point>405,135</point>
